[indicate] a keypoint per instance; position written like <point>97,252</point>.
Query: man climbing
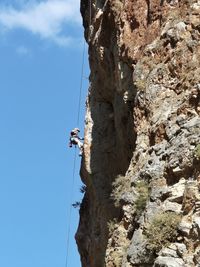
<point>75,140</point>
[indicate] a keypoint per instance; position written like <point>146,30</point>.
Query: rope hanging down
<point>74,166</point>
<point>81,83</point>
<point>70,210</point>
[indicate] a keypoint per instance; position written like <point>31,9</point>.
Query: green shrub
<point>162,231</point>
<point>197,152</point>
<point>143,191</point>
<point>120,185</point>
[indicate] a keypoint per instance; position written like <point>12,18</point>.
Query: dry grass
<point>120,185</point>
<point>143,191</point>
<point>162,231</point>
<point>197,152</point>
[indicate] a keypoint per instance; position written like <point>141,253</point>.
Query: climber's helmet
<point>76,130</point>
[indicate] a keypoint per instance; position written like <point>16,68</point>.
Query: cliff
<point>141,162</point>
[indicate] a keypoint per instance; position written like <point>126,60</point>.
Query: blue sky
<point>41,52</point>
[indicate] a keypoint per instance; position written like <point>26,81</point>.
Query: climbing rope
<point>81,83</point>
<point>70,210</point>
<point>74,165</point>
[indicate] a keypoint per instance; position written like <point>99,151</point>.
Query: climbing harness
<point>74,165</point>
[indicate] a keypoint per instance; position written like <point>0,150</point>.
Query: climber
<point>75,140</point>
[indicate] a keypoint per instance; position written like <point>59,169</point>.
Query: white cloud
<point>46,19</point>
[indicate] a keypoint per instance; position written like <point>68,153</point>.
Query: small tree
<point>83,189</point>
<point>120,186</point>
<point>162,230</point>
<point>77,204</point>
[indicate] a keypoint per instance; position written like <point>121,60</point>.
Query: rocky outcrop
<point>141,162</point>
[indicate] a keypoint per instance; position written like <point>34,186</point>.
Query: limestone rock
<point>168,262</point>
<point>177,191</point>
<point>142,124</point>
<point>173,207</point>
<point>185,227</point>
<point>197,256</point>
<point>137,253</point>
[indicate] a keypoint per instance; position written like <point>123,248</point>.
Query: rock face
<point>141,162</point>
